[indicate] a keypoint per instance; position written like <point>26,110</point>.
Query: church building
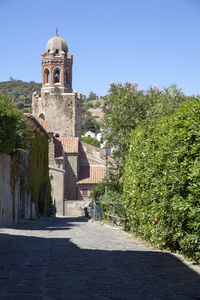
<point>75,167</point>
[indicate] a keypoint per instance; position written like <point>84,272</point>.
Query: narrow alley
<point>63,258</point>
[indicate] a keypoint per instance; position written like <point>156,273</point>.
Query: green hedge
<point>161,189</point>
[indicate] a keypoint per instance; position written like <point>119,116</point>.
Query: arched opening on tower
<point>41,116</point>
<point>46,76</point>
<point>57,76</point>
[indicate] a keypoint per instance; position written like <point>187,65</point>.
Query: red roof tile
<point>91,174</point>
<point>70,144</point>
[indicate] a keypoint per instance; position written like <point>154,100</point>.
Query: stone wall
<point>61,110</point>
<point>75,208</point>
<point>51,150</point>
<point>82,187</point>
<point>57,185</point>
<point>15,199</point>
<point>71,169</point>
<point>91,155</point>
<point>6,199</point>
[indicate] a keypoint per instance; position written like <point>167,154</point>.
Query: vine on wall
<point>39,182</point>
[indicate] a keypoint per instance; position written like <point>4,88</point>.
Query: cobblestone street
<point>62,258</point>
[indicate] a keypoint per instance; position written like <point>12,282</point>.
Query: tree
<point>14,132</point>
<point>92,96</point>
<point>89,123</point>
<point>20,91</point>
<point>125,108</point>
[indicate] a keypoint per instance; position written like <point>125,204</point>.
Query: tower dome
<point>57,43</point>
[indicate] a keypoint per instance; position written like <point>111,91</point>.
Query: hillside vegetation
<point>20,92</point>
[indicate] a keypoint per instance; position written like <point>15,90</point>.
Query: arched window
<point>46,76</point>
<point>57,76</point>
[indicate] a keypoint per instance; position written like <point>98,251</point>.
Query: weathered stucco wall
<point>82,187</point>
<point>91,155</point>
<point>57,188</point>
<point>15,199</point>
<point>75,208</point>
<point>70,166</point>
<point>61,110</point>
<point>6,200</point>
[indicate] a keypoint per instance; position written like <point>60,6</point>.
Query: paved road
<point>62,258</point>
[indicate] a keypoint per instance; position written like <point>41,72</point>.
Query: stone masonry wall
<point>57,185</point>
<point>6,199</point>
<point>71,169</point>
<point>61,110</point>
<point>91,155</point>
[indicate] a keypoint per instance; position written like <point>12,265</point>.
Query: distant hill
<point>20,92</point>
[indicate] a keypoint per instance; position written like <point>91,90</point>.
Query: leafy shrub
<point>162,182</point>
<point>91,141</point>
<point>112,204</point>
<point>97,191</point>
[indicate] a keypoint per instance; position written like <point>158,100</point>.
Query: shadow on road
<point>63,223</point>
<point>55,268</point>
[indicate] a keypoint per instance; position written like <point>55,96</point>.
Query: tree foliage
<point>14,132</point>
<point>91,141</point>
<point>127,107</point>
<point>162,181</point>
<point>20,92</point>
<point>92,96</point>
<point>89,122</point>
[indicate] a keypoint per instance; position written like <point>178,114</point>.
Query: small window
<point>57,51</point>
<point>85,193</point>
<point>57,76</point>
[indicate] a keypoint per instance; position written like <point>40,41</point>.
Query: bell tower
<point>56,65</point>
<point>57,104</point>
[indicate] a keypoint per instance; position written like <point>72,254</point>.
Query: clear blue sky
<point>145,41</point>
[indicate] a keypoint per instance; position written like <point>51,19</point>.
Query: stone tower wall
<point>61,110</point>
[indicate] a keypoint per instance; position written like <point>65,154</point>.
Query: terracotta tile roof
<point>91,174</point>
<point>70,144</point>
